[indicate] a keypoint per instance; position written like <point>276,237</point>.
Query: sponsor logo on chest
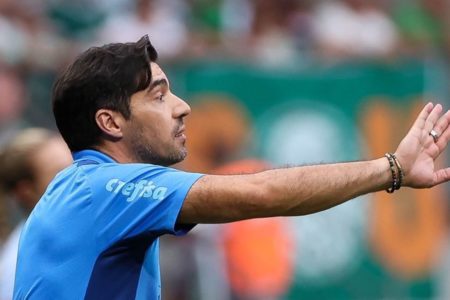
<point>134,190</point>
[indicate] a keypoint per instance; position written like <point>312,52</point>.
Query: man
<point>94,233</point>
<point>28,163</point>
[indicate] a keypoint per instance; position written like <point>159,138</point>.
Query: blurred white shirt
<point>167,31</point>
<point>8,258</point>
<point>364,33</point>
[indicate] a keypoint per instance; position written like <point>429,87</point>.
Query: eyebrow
<point>156,83</point>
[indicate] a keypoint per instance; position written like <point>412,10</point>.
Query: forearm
<point>283,192</point>
<point>323,186</point>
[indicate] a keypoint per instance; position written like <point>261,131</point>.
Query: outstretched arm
<point>309,189</point>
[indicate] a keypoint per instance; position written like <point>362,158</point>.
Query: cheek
<point>161,127</point>
<point>150,135</point>
<point>155,124</point>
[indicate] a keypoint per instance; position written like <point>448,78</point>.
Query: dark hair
<point>101,77</point>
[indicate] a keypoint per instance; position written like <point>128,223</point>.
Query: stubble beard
<point>144,152</point>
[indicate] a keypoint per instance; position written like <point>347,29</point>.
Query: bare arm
<point>309,189</point>
<point>282,192</point>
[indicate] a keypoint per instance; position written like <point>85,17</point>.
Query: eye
<point>161,97</point>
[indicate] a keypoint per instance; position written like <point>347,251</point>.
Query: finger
<point>442,123</point>
<point>442,176</point>
<point>443,129</point>
<point>423,115</point>
<point>432,118</point>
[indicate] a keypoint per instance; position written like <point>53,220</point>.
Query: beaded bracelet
<point>399,171</point>
<point>391,189</point>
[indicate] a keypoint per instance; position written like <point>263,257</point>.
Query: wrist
<point>396,172</point>
<point>381,178</point>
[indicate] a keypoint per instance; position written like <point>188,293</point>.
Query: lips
<point>180,132</point>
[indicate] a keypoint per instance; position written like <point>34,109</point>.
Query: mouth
<point>180,132</point>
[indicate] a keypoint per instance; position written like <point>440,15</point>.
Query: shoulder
<point>138,180</point>
<point>125,171</point>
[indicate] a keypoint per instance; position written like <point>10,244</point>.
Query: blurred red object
<point>257,252</point>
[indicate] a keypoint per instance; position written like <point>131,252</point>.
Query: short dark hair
<point>101,77</point>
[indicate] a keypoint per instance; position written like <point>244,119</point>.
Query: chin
<point>175,158</point>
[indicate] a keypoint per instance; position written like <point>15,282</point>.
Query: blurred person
<point>28,38</point>
<point>164,21</point>
<point>94,233</point>
<point>270,40</point>
<point>301,26</point>
<point>12,35</point>
<point>30,51</point>
<point>261,30</point>
<point>28,163</point>
<point>354,28</point>
<point>12,103</point>
<point>43,51</point>
<point>424,26</point>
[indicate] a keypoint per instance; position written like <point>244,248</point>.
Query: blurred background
<point>271,83</point>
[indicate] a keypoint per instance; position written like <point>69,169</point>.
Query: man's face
<point>155,131</point>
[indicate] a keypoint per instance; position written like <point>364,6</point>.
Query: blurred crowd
<point>39,37</point>
<point>43,34</point>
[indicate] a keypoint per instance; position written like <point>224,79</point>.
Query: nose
<point>181,108</point>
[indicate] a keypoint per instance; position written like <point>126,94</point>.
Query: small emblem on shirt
<point>135,190</point>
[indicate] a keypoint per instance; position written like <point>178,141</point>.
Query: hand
<point>417,152</point>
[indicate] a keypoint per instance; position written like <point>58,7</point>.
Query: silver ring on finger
<point>434,135</point>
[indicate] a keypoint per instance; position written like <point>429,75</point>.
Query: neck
<point>117,151</point>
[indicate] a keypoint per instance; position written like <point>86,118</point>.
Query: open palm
<point>418,150</point>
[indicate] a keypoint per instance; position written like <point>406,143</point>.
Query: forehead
<point>157,72</point>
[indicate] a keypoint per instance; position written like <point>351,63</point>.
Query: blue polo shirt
<point>94,233</point>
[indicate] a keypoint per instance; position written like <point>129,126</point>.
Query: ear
<point>110,122</point>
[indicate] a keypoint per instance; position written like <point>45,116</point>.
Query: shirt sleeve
<point>131,199</point>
